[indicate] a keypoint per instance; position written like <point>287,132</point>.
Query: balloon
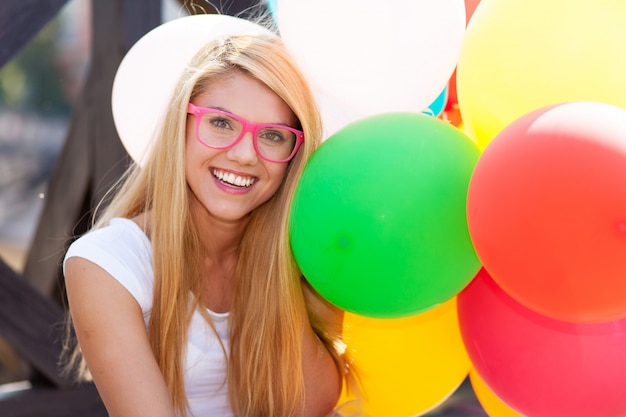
<point>520,55</point>
<point>375,58</point>
<point>408,365</point>
<point>452,111</point>
<point>542,367</point>
<point>436,107</point>
<point>547,211</point>
<point>470,7</point>
<point>271,5</point>
<point>335,116</point>
<point>378,223</point>
<point>158,59</point>
<point>493,405</point>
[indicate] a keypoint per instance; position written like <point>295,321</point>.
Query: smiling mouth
<point>233,180</point>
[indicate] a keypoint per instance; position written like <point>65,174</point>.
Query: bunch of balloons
<point>498,239</point>
<point>541,90</point>
<point>547,215</point>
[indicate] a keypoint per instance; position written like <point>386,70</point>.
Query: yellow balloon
<point>520,55</point>
<point>493,405</point>
<point>409,365</point>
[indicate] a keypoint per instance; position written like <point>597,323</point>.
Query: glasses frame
<point>246,126</point>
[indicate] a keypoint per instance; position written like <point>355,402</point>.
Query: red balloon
<point>539,366</point>
<point>547,211</point>
<point>470,6</point>
<point>453,102</point>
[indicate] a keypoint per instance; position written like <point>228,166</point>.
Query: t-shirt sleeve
<point>122,250</point>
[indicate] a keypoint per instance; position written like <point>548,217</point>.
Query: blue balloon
<point>271,4</point>
<point>436,107</point>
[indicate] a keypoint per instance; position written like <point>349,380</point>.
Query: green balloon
<point>378,223</point>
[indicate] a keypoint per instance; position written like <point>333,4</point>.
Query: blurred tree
<point>32,82</point>
<point>21,20</point>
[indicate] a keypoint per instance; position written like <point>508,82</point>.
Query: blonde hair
<point>269,312</point>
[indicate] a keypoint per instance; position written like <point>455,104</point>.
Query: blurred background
<point>38,89</point>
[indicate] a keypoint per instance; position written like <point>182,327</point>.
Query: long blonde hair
<point>269,312</point>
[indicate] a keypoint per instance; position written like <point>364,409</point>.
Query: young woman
<point>185,297</point>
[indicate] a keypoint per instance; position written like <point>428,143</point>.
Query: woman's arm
<point>112,335</point>
<point>322,380</point>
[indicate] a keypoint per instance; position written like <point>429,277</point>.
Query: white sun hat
<point>147,75</point>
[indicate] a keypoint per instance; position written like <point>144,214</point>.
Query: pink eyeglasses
<point>219,129</point>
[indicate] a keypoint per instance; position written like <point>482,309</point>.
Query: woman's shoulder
<point>118,236</point>
<point>124,251</point>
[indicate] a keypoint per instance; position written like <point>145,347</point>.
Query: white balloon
<point>147,76</point>
<point>334,115</point>
<point>375,56</point>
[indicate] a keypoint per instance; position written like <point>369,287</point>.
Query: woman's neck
<point>221,242</point>
<point>217,283</point>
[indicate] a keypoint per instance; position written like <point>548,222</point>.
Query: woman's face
<point>227,184</point>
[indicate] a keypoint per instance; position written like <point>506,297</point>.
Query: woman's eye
<point>220,123</point>
<point>272,136</point>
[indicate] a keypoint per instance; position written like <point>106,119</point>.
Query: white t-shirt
<point>124,251</point>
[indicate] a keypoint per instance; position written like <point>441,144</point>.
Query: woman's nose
<point>243,151</point>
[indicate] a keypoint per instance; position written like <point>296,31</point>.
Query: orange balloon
<point>453,101</point>
<point>493,405</point>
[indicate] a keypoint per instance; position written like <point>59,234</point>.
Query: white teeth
<point>233,179</point>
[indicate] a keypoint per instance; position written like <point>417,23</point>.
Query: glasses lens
<point>218,130</point>
<point>276,142</point>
